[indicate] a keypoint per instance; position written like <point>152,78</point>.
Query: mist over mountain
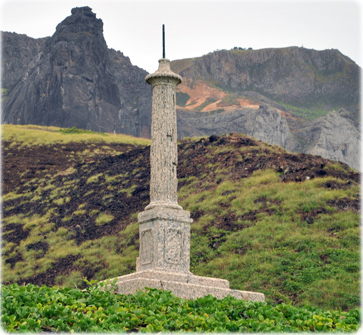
<point>303,100</point>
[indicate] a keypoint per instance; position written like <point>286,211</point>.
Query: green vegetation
<point>94,179</point>
<point>216,111</point>
<point>182,99</point>
<point>75,130</point>
<point>305,113</point>
<point>4,94</point>
<point>32,308</point>
<point>179,65</point>
<point>256,233</point>
<point>128,191</point>
<point>231,99</point>
<point>205,103</point>
<point>103,218</point>
<point>30,135</point>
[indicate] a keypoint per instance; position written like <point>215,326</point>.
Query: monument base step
<point>187,286</point>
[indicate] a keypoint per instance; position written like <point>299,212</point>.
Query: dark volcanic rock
<point>17,52</point>
<point>71,83</point>
<point>135,94</point>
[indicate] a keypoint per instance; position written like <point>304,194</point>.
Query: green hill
<point>269,221</point>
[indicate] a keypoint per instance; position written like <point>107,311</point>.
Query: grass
<point>278,249</point>
<point>103,219</point>
<point>94,179</point>
<point>128,191</point>
<point>306,113</point>
<point>30,135</point>
<point>182,99</point>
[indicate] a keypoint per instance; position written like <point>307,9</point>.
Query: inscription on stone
<point>147,243</point>
<point>173,245</point>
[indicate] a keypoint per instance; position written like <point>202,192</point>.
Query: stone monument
<point>164,227</point>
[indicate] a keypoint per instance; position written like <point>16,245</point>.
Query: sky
<point>197,27</point>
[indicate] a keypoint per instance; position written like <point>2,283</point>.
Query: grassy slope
<point>294,241</point>
<point>32,135</point>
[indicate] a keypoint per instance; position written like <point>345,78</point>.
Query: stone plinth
<point>164,239</point>
<point>183,285</point>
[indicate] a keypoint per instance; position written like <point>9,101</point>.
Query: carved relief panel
<point>173,245</point>
<point>147,246</point>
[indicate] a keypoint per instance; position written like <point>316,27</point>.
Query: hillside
<point>269,221</point>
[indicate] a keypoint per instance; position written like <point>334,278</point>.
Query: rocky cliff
<point>18,51</point>
<point>335,136</point>
<point>71,82</point>
<point>297,76</point>
<point>282,96</point>
<point>264,124</point>
<point>135,112</point>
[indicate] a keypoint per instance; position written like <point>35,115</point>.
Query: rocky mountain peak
<point>72,79</point>
<point>70,82</point>
<point>81,20</point>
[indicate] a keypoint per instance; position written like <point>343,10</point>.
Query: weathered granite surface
<point>164,227</point>
<point>183,285</point>
<point>163,151</point>
<point>164,235</point>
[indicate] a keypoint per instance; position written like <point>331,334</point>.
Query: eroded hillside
<point>283,224</point>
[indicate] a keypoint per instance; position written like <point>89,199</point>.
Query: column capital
<point>163,75</point>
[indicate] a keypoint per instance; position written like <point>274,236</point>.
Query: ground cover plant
<point>283,224</point>
<point>30,308</point>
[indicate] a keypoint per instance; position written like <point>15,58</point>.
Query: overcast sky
<point>197,27</point>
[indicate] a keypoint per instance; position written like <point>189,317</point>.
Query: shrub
<point>32,308</point>
<point>103,219</point>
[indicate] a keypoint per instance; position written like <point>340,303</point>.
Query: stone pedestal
<point>164,240</point>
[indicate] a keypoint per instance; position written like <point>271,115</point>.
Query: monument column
<point>164,227</point>
<point>164,151</point>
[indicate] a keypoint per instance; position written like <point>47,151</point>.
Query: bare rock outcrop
<point>293,75</point>
<point>71,83</point>
<point>17,52</point>
<point>335,136</point>
<point>264,124</point>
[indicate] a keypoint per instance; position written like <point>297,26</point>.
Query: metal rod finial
<point>163,40</point>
